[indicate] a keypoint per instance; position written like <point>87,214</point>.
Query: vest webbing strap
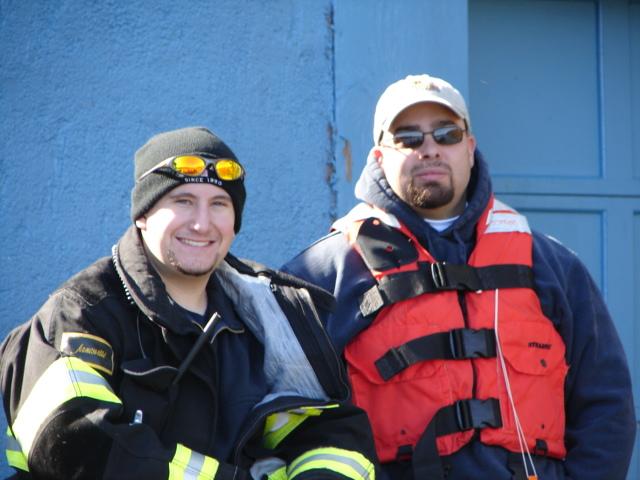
<point>462,415</point>
<point>467,414</point>
<point>440,276</point>
<point>457,344</point>
<point>515,462</point>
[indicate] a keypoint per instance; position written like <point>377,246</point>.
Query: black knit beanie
<point>184,141</point>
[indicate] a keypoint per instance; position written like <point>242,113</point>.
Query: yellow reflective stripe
<point>65,379</point>
<point>13,451</point>
<point>350,464</point>
<point>17,460</point>
<point>278,425</point>
<point>209,468</point>
<point>179,462</point>
<point>280,474</point>
<point>189,465</point>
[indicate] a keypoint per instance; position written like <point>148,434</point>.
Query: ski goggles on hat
<point>199,168</point>
<point>410,138</point>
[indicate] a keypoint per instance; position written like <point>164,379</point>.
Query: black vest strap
<point>440,276</point>
<point>516,465</point>
<point>516,461</point>
<point>384,247</point>
<point>461,343</point>
<point>462,415</point>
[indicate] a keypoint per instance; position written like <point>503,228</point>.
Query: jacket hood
<point>372,187</point>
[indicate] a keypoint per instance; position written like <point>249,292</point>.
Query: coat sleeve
<point>600,416</point>
<point>328,441</point>
<point>64,415</point>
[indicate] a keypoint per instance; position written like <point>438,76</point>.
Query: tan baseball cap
<point>412,90</point>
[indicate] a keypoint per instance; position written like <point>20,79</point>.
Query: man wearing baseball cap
<point>172,359</point>
<point>479,349</point>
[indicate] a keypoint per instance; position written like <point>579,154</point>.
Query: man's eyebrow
<point>444,122</point>
<point>220,196</point>
<point>175,194</point>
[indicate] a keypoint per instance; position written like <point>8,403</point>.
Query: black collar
<point>145,287</point>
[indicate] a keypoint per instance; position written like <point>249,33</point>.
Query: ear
<point>376,152</point>
<point>141,223</point>
<point>471,148</point>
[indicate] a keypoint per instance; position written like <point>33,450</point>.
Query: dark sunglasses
<point>447,135</point>
<point>197,165</point>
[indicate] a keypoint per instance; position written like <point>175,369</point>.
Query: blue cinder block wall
<point>84,84</point>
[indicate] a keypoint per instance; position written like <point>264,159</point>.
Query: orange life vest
<point>432,354</point>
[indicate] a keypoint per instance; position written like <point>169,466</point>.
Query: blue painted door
<point>555,98</point>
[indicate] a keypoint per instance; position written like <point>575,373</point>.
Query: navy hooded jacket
<point>600,417</point>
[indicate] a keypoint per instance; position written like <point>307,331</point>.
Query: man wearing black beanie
<point>173,359</point>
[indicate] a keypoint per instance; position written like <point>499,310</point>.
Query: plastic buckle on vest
<point>474,413</point>
<point>541,448</point>
<point>469,343</point>
<point>392,362</point>
<point>404,453</point>
<point>438,275</point>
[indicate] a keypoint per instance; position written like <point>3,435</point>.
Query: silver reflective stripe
<point>189,465</point>
<point>85,377</point>
<point>192,470</point>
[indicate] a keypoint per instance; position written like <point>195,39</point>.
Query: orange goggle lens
<point>191,165</point>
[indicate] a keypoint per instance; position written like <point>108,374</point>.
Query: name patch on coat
<point>93,350</point>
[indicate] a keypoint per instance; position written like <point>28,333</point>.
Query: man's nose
<point>429,147</point>
<point>201,220</point>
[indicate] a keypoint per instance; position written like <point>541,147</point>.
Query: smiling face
<point>431,178</point>
<point>189,231</point>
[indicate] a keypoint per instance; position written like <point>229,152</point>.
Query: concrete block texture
<point>83,84</point>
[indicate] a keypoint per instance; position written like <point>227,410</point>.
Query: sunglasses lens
<point>408,139</point>
<point>189,165</point>
<point>228,170</point>
<point>449,135</point>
